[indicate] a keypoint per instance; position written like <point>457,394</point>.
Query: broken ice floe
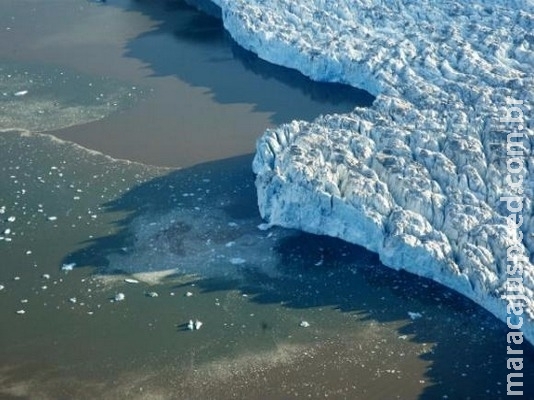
<point>152,294</point>
<point>414,315</point>
<point>131,281</point>
<point>192,326</point>
<point>21,93</point>
<point>304,324</point>
<point>119,297</point>
<point>68,267</point>
<point>21,312</point>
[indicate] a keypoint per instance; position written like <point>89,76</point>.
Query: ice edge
<point>417,178</point>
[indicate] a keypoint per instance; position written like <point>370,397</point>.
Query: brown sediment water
<point>179,93</point>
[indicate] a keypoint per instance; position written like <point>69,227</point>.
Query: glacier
<point>418,177</point>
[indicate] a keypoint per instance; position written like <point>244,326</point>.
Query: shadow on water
<point>201,53</point>
<point>468,358</point>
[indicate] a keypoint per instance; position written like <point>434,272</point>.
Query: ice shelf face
<point>418,177</point>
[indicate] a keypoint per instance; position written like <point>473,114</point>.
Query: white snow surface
<point>417,177</point>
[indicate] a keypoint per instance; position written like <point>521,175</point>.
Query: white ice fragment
<point>304,324</point>
<point>130,280</point>
<point>152,294</point>
<point>198,324</point>
<point>11,219</point>
<point>21,312</point>
<point>2,287</point>
<point>73,300</point>
<point>24,301</point>
<point>44,287</point>
<point>52,218</point>
<point>28,252</point>
<point>191,325</point>
<point>237,261</point>
<point>188,294</point>
<point>264,227</point>
<point>3,210</point>
<point>21,93</point>
<point>7,231</point>
<point>16,278</point>
<point>68,267</point>
<point>45,276</point>
<point>119,297</point>
<point>414,315</point>
<point>229,244</point>
<point>233,224</point>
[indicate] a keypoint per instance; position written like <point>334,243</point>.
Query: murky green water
<point>190,236</point>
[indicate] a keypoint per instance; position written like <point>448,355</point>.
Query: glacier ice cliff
<point>418,177</point>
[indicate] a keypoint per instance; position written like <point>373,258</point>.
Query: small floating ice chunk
<point>24,301</point>
<point>237,261</point>
<point>130,280</point>
<point>52,218</point>
<point>264,227</point>
<point>7,231</point>
<point>198,324</point>
<point>233,224</point>
<point>73,300</point>
<point>2,287</point>
<point>21,93</point>
<point>414,315</point>
<point>11,219</point>
<point>21,312</point>
<point>68,267</point>
<point>16,278</point>
<point>188,294</point>
<point>152,294</point>
<point>191,325</point>
<point>3,210</point>
<point>28,252</point>
<point>119,297</point>
<point>45,276</point>
<point>304,324</point>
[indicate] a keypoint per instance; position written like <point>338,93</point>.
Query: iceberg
<point>418,177</point>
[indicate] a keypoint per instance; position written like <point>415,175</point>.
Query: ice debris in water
<point>304,324</point>
<point>73,300</point>
<point>68,267</point>
<point>52,218</point>
<point>132,281</point>
<point>237,261</point>
<point>119,297</point>
<point>192,326</point>
<point>45,276</point>
<point>2,287</point>
<point>11,219</point>
<point>21,312</point>
<point>21,93</point>
<point>152,294</point>
<point>414,315</point>
<point>188,294</point>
